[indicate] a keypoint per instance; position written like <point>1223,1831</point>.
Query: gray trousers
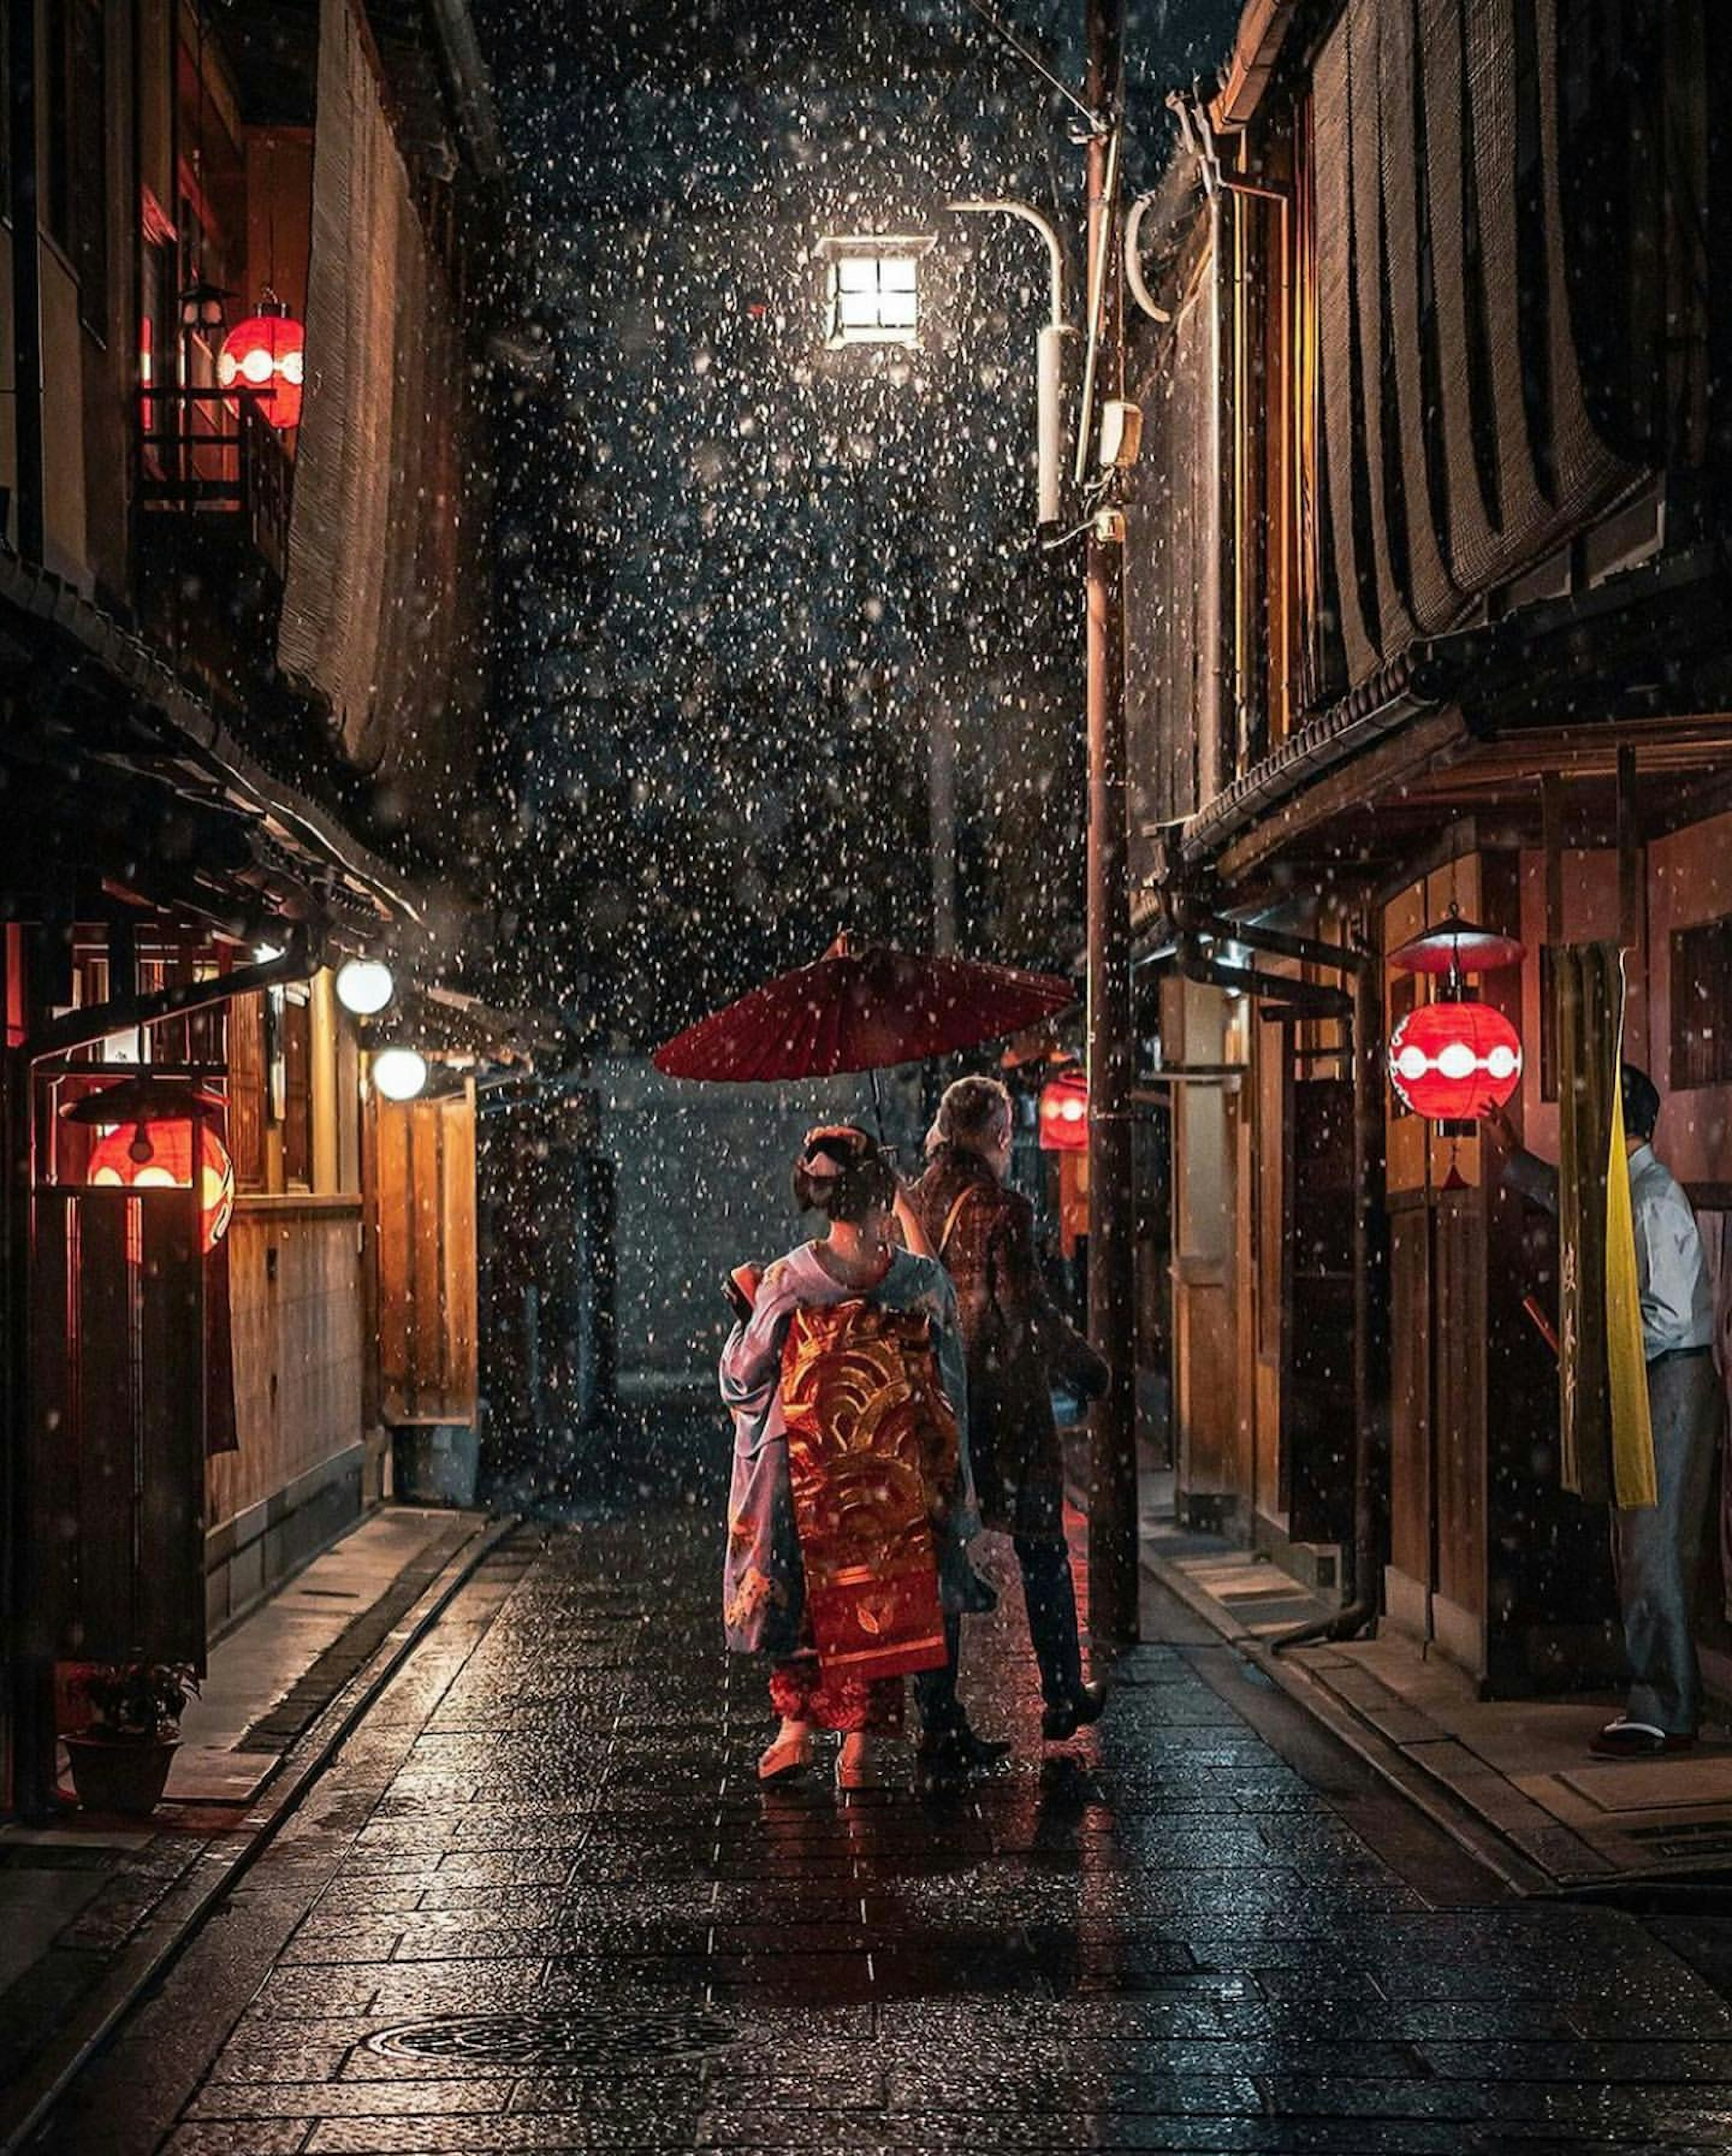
<point>1658,1547</point>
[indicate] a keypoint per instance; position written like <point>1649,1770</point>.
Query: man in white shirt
<point>1657,1548</point>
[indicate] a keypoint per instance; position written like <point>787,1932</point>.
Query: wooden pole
<point>1113,1556</point>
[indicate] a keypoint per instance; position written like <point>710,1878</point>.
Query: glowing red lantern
<point>266,354</point>
<point>146,1144</point>
<point>1065,1114</point>
<point>1455,1061</point>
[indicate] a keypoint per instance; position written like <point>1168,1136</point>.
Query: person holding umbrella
<point>861,1007</point>
<point>1015,1338</point>
<point>851,1500</point>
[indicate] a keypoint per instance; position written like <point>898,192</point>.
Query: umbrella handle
<point>878,1106</point>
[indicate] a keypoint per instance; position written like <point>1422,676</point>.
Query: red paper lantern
<point>1453,1062</point>
<point>1065,1114</point>
<point>158,1156</point>
<point>267,354</point>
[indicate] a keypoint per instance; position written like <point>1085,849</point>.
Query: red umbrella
<point>861,1008</point>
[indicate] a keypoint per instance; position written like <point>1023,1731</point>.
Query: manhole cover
<point>573,2036</point>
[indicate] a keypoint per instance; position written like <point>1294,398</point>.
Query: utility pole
<point>1113,1564</point>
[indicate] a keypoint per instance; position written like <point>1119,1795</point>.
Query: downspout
<point>1365,1556</point>
<point>28,484</point>
<point>471,85</point>
<point>30,1679</point>
<point>1098,271</point>
<point>93,1022</point>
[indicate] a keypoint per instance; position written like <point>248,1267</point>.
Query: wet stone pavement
<point>540,1904</point>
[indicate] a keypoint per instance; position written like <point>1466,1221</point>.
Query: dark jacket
<point>1013,1335</point>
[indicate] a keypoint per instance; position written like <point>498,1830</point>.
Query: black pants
<point>1051,1596</point>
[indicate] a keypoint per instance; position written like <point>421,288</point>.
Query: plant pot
<point>127,1776</point>
<point>436,1466</point>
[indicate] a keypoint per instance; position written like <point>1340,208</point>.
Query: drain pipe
<point>1365,1554</point>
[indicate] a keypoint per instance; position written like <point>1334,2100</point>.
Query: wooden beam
<point>1629,854</point>
<point>1552,824</point>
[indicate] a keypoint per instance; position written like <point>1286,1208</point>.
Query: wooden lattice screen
<point>116,1461</point>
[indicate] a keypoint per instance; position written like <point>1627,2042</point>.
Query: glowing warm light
<point>363,986</point>
<point>266,353</point>
<point>1065,1114</point>
<point>158,1156</point>
<point>400,1074</point>
<point>871,288</point>
<point>1455,1061</point>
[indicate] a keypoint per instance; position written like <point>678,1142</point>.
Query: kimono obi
<point>873,1459</point>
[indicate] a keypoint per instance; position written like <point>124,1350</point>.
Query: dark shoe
<point>1081,1711</point>
<point>981,1751</point>
<point>940,1766</point>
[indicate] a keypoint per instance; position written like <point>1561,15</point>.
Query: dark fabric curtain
<point>1166,568</point>
<point>1460,448</point>
<point>375,609</point>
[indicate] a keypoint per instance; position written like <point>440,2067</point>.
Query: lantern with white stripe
<point>1455,1061</point>
<point>1064,1113</point>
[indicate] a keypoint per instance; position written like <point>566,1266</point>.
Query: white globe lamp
<point>400,1074</point>
<point>363,986</point>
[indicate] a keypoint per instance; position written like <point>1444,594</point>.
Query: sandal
<point>857,1763</point>
<point>1624,1739</point>
<point>788,1756</point>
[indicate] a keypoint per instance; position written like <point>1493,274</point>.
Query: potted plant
<point>121,1756</point>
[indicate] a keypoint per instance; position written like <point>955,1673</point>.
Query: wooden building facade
<point>1429,606</point>
<point>240,668</point>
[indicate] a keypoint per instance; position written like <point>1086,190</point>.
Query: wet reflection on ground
<point>561,1914</point>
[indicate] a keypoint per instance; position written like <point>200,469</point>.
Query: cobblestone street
<point>540,1903</point>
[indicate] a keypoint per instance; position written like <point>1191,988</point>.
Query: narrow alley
<point>540,1903</point>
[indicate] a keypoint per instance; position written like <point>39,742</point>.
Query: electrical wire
<point>1029,58</point>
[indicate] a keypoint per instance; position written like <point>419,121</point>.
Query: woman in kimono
<point>851,1500</point>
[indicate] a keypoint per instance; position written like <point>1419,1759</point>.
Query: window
<point>246,1089</point>
<point>871,289</point>
<point>1702,1004</point>
<point>297,1038</point>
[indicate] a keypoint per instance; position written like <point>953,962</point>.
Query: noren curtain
<point>373,617</point>
<point>1167,572</point>
<point>1458,443</point>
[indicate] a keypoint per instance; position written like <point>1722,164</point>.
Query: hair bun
<point>843,1173</point>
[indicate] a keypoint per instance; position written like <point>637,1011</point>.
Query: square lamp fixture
<point>871,288</point>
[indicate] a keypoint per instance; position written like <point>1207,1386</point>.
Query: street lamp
<point>871,292</point>
<point>1049,359</point>
<point>201,307</point>
<point>157,1134</point>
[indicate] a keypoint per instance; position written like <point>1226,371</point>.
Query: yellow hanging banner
<point>1633,1438</point>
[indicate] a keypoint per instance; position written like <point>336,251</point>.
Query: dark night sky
<point>738,571</point>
